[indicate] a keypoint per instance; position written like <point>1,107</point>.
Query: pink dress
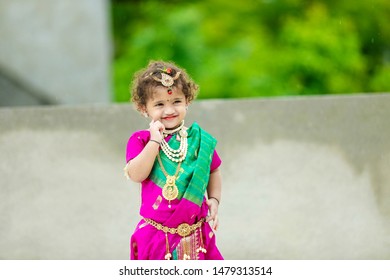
<point>149,243</point>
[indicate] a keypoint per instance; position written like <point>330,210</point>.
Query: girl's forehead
<point>161,93</point>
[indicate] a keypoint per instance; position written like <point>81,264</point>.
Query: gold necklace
<point>170,190</point>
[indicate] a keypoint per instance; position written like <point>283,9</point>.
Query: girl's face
<point>169,109</point>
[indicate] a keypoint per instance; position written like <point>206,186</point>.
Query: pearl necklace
<point>176,155</point>
<point>171,131</point>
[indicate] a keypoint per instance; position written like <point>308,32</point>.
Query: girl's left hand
<point>213,210</point>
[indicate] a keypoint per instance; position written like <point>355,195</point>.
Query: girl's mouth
<point>169,118</point>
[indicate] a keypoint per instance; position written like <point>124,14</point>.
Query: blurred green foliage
<point>252,48</point>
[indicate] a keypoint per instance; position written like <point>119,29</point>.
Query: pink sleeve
<point>136,144</point>
<point>215,162</point>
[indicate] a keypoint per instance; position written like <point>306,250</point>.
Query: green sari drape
<point>194,172</point>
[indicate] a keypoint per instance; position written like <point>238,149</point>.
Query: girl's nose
<point>169,110</point>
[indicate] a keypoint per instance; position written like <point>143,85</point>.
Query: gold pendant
<point>170,190</point>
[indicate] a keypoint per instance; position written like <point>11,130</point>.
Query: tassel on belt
<point>183,230</point>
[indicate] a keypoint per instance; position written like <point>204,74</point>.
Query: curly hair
<point>143,85</point>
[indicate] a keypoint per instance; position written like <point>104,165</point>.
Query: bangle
<point>214,198</point>
<point>155,141</point>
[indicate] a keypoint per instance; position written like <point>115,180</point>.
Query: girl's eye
<point>177,102</point>
<point>159,104</point>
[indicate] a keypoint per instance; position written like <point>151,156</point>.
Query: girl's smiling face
<point>169,109</point>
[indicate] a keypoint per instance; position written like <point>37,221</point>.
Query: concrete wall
<point>54,52</point>
<point>303,178</point>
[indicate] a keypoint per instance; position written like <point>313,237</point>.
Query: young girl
<point>177,166</point>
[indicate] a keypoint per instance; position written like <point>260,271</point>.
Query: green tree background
<point>253,48</point>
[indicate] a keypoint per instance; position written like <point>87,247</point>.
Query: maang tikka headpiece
<point>166,79</point>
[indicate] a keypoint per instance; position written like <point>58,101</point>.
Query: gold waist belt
<point>183,229</point>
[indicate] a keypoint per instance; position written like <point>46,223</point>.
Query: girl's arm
<point>139,168</point>
<point>214,190</point>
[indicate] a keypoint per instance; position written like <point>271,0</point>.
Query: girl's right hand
<point>156,129</point>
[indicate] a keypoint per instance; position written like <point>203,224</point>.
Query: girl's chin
<point>171,124</point>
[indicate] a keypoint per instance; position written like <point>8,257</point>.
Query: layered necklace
<point>176,155</point>
<point>170,190</point>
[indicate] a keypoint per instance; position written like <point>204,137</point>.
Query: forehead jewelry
<point>166,79</point>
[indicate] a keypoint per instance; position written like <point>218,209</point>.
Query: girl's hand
<point>213,210</point>
<point>156,128</point>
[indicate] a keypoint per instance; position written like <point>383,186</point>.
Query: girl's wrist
<point>155,141</point>
<point>216,199</point>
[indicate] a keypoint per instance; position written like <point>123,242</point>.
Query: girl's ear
<point>145,114</point>
<point>143,111</point>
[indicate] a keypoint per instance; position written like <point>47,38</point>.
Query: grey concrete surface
<point>55,51</point>
<point>303,178</point>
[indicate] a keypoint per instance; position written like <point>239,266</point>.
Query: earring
<point>145,114</point>
<point>186,108</point>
